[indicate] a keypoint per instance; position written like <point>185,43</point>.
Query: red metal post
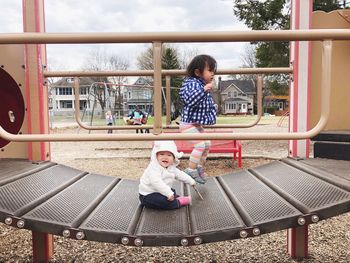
<point>42,246</point>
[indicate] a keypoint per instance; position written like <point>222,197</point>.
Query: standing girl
<point>109,120</point>
<point>199,109</point>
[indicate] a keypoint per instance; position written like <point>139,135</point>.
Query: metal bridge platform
<point>52,198</point>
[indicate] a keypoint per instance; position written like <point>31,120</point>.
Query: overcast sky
<point>130,16</point>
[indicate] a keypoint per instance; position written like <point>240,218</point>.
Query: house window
<point>235,94</point>
<point>129,95</point>
<point>229,94</point>
<point>66,104</point>
<point>65,91</point>
<point>82,104</point>
<point>83,90</point>
<point>234,106</point>
<point>243,106</point>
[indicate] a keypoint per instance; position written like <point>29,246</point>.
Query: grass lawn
<point>98,121</point>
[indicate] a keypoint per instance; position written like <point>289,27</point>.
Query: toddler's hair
<point>199,62</point>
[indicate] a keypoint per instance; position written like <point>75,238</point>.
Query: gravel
<point>329,240</point>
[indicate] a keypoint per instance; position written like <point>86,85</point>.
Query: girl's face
<point>165,158</point>
<point>206,75</point>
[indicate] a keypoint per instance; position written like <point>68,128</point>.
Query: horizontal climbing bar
<point>175,37</point>
<point>168,72</point>
<point>134,127</point>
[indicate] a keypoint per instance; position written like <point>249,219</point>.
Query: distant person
<point>198,110</point>
<point>137,115</point>
<point>155,189</point>
<point>109,120</point>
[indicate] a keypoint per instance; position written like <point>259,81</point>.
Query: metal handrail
<point>134,127</point>
<point>175,37</point>
<point>325,111</point>
<point>165,72</point>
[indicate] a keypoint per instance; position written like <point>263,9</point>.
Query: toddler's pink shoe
<point>184,200</point>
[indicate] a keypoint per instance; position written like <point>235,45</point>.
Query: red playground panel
<point>222,146</point>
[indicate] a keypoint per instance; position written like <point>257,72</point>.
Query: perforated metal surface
<point>116,211</point>
<point>257,199</point>
<point>215,213</point>
<point>14,167</point>
<point>340,168</point>
<point>107,209</point>
<point>173,222</point>
<point>307,189</point>
<point>79,195</point>
<point>20,193</point>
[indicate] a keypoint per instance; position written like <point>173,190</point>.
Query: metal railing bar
<point>175,37</point>
<point>167,126</point>
<point>325,111</point>
<point>170,72</point>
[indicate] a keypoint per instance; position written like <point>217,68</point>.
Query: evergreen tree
<point>170,60</point>
<point>274,15</point>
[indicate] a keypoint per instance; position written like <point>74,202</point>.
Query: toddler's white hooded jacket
<point>156,178</point>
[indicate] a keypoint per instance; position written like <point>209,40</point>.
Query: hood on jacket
<point>169,146</point>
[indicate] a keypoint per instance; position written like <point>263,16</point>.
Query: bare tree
<point>248,60</point>
<point>186,55</point>
<point>118,63</point>
<point>99,60</point>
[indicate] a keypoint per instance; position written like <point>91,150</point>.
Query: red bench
<point>224,146</point>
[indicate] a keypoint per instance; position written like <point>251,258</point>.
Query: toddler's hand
<point>209,86</point>
<point>171,198</point>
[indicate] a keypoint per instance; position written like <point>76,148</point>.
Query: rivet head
<point>80,235</point>
<point>243,234</point>
<point>138,242</point>
<point>8,220</point>
<point>256,231</point>
<point>197,240</point>
<point>20,223</point>
<point>301,221</point>
<point>184,242</point>
<point>315,218</point>
<point>125,240</point>
<point>66,233</point>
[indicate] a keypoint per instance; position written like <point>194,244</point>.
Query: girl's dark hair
<point>199,62</point>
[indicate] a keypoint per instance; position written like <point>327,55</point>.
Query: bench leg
<point>42,246</point>
<point>297,241</point>
<point>239,155</point>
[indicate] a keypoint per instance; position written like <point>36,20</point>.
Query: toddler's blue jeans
<point>159,201</point>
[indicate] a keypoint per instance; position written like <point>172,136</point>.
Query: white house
<point>139,94</point>
<point>237,96</point>
<point>61,97</point>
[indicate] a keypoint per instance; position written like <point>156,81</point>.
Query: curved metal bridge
<point>56,199</point>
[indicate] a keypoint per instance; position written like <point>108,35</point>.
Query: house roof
<point>69,82</point>
<point>236,100</point>
<point>245,85</point>
<point>143,81</point>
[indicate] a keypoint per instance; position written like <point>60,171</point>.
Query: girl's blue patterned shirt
<point>198,104</point>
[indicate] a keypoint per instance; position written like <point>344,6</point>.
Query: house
<point>61,97</point>
<point>236,96</point>
<point>276,104</point>
<point>139,94</point>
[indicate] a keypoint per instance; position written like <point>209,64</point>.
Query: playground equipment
<point>245,216</point>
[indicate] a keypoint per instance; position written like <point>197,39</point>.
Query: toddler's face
<point>207,74</point>
<point>165,158</point>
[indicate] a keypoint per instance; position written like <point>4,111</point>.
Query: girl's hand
<point>171,198</point>
<point>209,86</point>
